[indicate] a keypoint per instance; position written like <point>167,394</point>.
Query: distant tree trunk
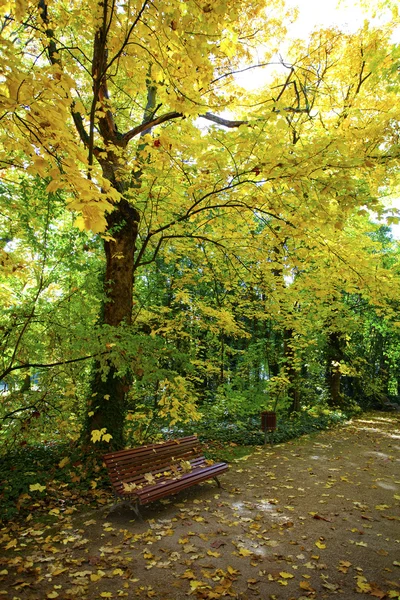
<point>291,373</point>
<point>333,377</point>
<point>273,352</point>
<point>26,384</point>
<point>384,375</point>
<point>222,360</point>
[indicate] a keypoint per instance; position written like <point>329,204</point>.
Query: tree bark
<point>333,377</point>
<point>107,404</point>
<point>291,373</point>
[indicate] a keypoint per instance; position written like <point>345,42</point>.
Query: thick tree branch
<point>147,125</point>
<point>48,365</point>
<point>78,120</point>
<point>11,414</point>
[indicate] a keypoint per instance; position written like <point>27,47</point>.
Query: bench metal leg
<point>133,506</point>
<point>218,482</point>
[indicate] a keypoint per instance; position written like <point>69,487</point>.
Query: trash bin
<point>268,420</point>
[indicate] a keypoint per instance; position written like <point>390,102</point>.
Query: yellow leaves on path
<point>205,545</point>
<point>344,566</point>
<point>362,585</point>
<point>305,585</point>
<point>244,552</point>
<point>286,575</point>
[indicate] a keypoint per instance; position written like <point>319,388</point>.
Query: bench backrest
<point>131,466</point>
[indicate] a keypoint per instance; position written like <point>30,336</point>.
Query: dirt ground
<point>314,518</point>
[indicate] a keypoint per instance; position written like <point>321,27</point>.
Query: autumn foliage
<point>174,244</point>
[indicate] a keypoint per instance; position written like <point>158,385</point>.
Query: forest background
<point>180,252</point>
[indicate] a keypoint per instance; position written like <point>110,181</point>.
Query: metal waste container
<point>268,420</point>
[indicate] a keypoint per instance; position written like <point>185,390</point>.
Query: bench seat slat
<point>129,475</point>
<point>163,462</point>
<point>199,465</point>
<point>145,465</point>
<point>150,494</point>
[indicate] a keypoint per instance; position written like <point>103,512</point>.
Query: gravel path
<point>314,518</point>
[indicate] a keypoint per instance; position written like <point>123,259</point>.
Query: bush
<point>248,430</point>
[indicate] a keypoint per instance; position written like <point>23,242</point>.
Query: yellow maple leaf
<point>195,585</point>
<point>186,466</point>
<point>362,584</point>
<point>149,478</point>
<point>244,552</point>
<point>129,487</point>
<point>36,487</point>
<point>188,574</point>
<point>100,435</point>
<point>305,585</point>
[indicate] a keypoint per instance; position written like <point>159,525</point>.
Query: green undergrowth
<point>248,431</point>
<point>40,478</point>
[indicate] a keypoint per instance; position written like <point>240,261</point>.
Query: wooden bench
<point>154,471</point>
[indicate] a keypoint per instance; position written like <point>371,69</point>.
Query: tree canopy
<point>171,238</point>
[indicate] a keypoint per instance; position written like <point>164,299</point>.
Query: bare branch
<point>220,121</point>
<point>243,70</point>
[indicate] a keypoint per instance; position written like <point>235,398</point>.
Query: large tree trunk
<point>107,404</point>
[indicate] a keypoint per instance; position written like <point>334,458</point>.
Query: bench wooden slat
<point>152,449</point>
<point>163,462</point>
<point>154,454</point>
<point>140,464</point>
<point>170,466</point>
<point>159,491</point>
<point>162,475</point>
